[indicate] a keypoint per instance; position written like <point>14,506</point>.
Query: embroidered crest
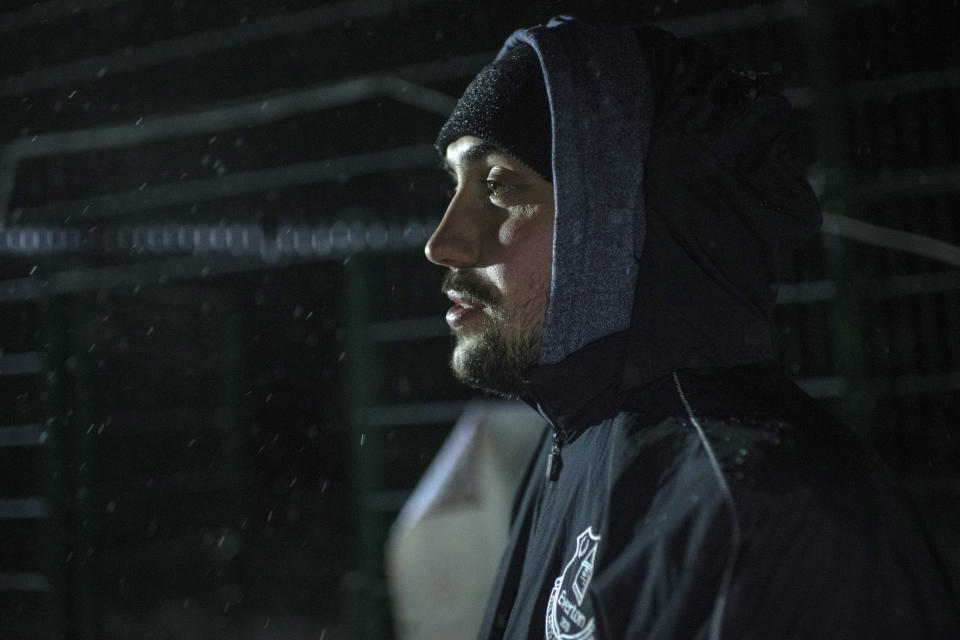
<point>565,617</point>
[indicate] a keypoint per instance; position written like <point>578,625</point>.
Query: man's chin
<point>485,361</point>
<point>460,359</point>
<point>470,362</point>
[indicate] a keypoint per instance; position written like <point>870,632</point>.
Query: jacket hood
<point>598,88</point>
<point>674,201</point>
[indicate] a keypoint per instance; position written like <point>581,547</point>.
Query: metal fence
<point>256,184</point>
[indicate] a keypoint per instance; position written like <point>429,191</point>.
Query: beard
<point>495,356</point>
<point>493,360</point>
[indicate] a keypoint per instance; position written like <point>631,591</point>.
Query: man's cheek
<point>517,231</point>
<point>508,235</point>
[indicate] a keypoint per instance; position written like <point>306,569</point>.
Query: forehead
<point>468,152</point>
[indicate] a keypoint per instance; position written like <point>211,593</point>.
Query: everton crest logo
<point>566,619</point>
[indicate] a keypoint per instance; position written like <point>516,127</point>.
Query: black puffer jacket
<point>687,491</point>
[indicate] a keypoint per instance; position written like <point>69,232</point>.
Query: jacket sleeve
<point>853,566</point>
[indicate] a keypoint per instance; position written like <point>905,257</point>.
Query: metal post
<point>51,347</point>
<point>818,29</point>
<point>230,366</point>
<point>81,322</point>
<point>367,591</point>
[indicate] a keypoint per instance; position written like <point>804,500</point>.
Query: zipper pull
<point>554,462</point>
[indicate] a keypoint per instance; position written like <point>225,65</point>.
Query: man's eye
<point>497,189</point>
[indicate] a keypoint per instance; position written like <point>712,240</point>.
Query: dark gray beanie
<point>506,106</point>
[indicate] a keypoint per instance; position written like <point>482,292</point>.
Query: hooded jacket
<point>686,489</point>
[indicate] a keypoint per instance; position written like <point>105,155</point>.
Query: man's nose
<point>455,242</point>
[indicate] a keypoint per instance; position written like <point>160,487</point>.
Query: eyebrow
<point>474,154</point>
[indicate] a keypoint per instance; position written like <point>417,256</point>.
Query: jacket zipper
<point>554,461</point>
<point>554,464</point>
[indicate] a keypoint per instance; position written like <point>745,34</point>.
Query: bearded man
<point>622,200</point>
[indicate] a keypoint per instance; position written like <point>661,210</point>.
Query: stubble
<point>495,356</point>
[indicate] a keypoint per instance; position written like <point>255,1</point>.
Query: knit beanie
<point>506,106</point>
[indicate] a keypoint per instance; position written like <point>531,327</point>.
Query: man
<point>621,202</point>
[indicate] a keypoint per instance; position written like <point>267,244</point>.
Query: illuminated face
<point>496,239</point>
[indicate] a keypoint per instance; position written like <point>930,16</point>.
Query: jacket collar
<point>581,389</point>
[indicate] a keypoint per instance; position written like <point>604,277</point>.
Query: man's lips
<point>464,308</point>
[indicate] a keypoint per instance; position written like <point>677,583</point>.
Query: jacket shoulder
<point>823,540</point>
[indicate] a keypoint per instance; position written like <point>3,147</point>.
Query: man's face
<point>496,238</point>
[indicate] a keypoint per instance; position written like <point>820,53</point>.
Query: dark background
<point>223,355</point>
